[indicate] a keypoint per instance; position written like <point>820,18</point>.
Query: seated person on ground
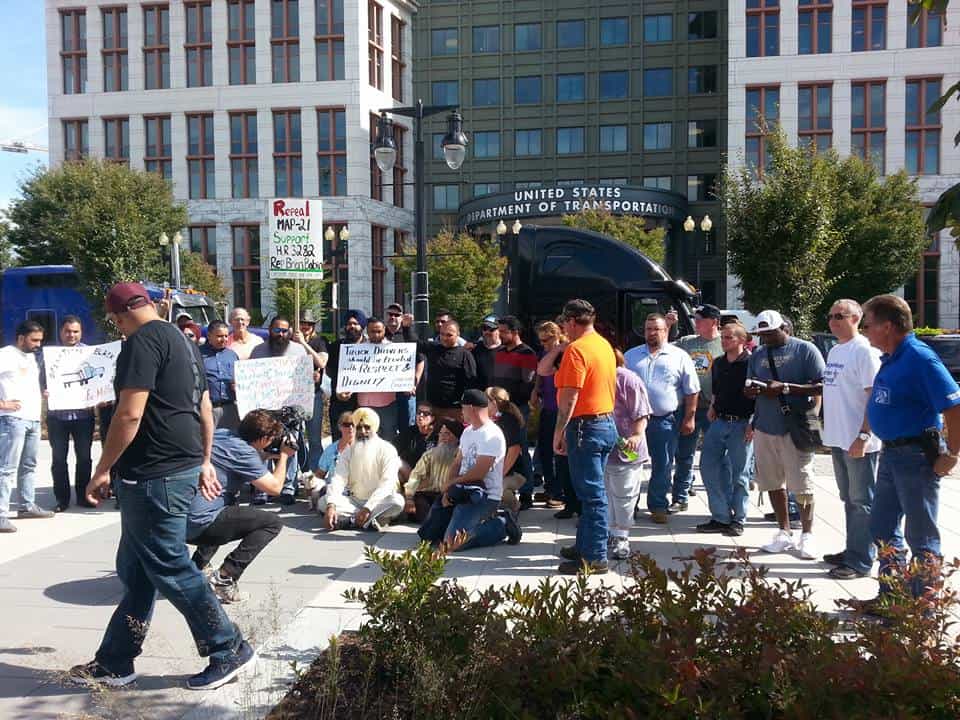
<point>239,457</point>
<point>416,439</point>
<point>363,490</point>
<point>426,479</point>
<point>328,460</point>
<point>516,465</point>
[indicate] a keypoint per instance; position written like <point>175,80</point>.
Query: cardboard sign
<point>296,239</point>
<point>81,376</point>
<point>273,383</point>
<point>384,367</point>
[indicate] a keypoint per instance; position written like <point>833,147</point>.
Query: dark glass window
<point>815,115</point>
<point>613,138</point>
<point>114,49</point>
<point>287,154</point>
<point>702,134</point>
<point>244,180</point>
<point>614,31</point>
<point>868,122</point>
<point>246,266</point>
<point>241,42</point>
<point>700,187</point>
<point>763,28</point>
<point>571,33</point>
<point>571,88</point>
<point>445,92</point>
<point>486,92</point>
<point>614,85</point>
<point>658,82</point>
<point>657,28</point>
<point>73,51</point>
<point>526,37</point>
<point>116,132</point>
<point>869,25</point>
<point>285,40</point>
<point>815,27</point>
<point>157,156</point>
<point>702,79</point>
<point>199,44</point>
<point>702,25</point>
<point>657,136</point>
<point>486,39</point>
<point>528,90</point>
<point>200,149</point>
<point>923,128</point>
<point>927,31</point>
<point>446,197</point>
<point>528,142</point>
<point>486,144</point>
<point>444,41</point>
<point>156,47</point>
<point>570,140</point>
<point>329,39</point>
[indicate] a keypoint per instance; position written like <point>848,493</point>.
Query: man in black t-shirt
<point>160,444</point>
<point>451,370</point>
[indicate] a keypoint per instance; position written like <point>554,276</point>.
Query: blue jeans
<point>907,490</point>
<point>662,444</point>
<point>19,443</point>
<point>551,482</point>
<point>315,431</point>
<point>153,557</point>
<point>589,443</point>
<point>479,520</point>
<point>527,466</point>
<point>724,467</point>
<point>856,481</point>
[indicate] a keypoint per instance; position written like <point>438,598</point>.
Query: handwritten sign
<point>382,367</point>
<point>296,239</point>
<point>273,383</point>
<point>81,376</point>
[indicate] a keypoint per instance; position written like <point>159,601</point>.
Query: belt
<point>598,416</point>
<point>221,403</point>
<point>900,442</point>
<point>733,418</point>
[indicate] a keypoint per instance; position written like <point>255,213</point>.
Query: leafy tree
<point>311,298</point>
<point>627,229</point>
<point>7,257</point>
<point>465,274</point>
<point>196,273</point>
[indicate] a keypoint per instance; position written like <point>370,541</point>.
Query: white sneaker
<point>619,548</point>
<point>807,549</point>
<point>782,542</point>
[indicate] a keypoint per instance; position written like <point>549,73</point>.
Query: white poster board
<point>382,367</point>
<point>273,383</point>
<point>296,239</point>
<point>81,376</point>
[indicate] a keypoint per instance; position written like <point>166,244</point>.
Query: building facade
<point>627,96</point>
<point>857,76</point>
<point>239,101</point>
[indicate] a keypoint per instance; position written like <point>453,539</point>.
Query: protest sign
<point>273,383</point>
<point>296,239</point>
<point>80,376</point>
<point>382,367</point>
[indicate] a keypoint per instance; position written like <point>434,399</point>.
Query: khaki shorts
<point>780,465</point>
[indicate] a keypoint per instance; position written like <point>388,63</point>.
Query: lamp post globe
<point>689,224</point>
<point>706,224</point>
<point>516,227</point>
<point>385,148</point>
<point>501,228</point>
<point>454,143</point>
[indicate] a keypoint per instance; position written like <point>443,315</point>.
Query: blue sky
<point>23,78</point>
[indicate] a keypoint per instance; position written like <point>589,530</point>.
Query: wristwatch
<point>786,389</point>
<point>863,436</point>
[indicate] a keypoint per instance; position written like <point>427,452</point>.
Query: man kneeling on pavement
<point>239,457</point>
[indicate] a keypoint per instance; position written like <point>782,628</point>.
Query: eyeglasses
<point>279,331</point>
<point>346,424</point>
<point>190,335</point>
<point>837,316</point>
<point>424,413</point>
<point>394,314</point>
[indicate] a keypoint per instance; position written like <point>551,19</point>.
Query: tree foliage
<point>7,257</point>
<point>196,273</point>
<point>628,229</point>
<point>465,274</point>
<point>311,298</point>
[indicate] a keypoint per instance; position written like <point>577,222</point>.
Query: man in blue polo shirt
<point>219,361</point>
<point>913,394</point>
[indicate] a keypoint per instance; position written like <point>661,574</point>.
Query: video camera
<point>292,419</point>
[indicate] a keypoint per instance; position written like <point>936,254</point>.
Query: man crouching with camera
<point>239,457</point>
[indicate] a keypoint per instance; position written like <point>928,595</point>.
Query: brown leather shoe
<point>575,567</point>
<point>661,517</point>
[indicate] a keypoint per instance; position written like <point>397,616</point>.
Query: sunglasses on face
<point>394,314</point>
<point>346,424</point>
<point>424,413</point>
<point>837,316</point>
<point>279,331</point>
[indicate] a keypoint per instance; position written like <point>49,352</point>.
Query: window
<point>486,144</point>
<point>114,49</point>
<point>73,52</point>
<point>397,65</point>
<point>200,156</point>
<point>287,154</point>
<point>332,151</point>
<point>329,39</point>
<point>763,110</point>
<point>400,240</point>
<point>570,140</point>
<point>571,88</point>
<point>815,20</point>
<point>571,33</point>
<point>658,182</point>
<point>868,120</point>
<point>657,136</point>
<point>527,185</point>
<point>527,90</point>
<point>763,28</point>
<point>528,142</point>
<point>116,136</point>
<point>437,142</point>
<point>158,154</point>
<point>869,25</point>
<point>486,92</point>
<point>375,49</point>
<point>657,28</point>
<point>526,37</point>
<point>658,82</point>
<point>570,182</point>
<point>199,44</point>
<point>486,39</point>
<point>614,85</point>
<point>613,181</point>
<point>700,187</point>
<point>702,134</point>
<point>923,127</point>
<point>702,25</point>
<point>399,166</point>
<point>378,235</point>
<point>481,189</point>
<point>613,138</point>
<point>614,31</point>
<point>244,168</point>
<point>203,242</point>
<point>241,42</point>
<point>285,40</point>
<point>445,92</point>
<point>927,31</point>
<point>922,292</point>
<point>446,197</point>
<point>246,266</point>
<point>702,80</point>
<point>444,41</point>
<point>376,177</point>
<point>156,47</point>
<point>76,144</point>
<point>815,115</point>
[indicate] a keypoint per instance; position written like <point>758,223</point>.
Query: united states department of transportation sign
<point>296,239</point>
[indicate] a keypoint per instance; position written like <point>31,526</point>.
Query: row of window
<point>815,27</point>
<point>241,45</point>
<point>612,31</point>
<point>868,121</point>
<point>572,87</point>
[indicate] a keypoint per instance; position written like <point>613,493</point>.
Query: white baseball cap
<point>768,321</point>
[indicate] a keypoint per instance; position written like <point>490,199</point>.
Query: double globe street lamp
<point>706,225</point>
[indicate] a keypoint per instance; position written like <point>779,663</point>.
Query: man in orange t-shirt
<point>585,431</point>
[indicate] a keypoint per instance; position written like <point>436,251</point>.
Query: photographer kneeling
<point>239,457</point>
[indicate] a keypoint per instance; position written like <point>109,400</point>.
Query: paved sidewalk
<point>58,588</point>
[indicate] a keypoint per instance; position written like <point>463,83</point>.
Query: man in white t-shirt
<point>847,381</point>
<point>20,423</point>
<point>473,489</point>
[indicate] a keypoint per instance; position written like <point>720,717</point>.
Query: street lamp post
<point>385,153</point>
<point>335,255</point>
<point>174,255</point>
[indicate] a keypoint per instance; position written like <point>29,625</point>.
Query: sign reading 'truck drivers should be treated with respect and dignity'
<point>296,239</point>
<point>380,367</point>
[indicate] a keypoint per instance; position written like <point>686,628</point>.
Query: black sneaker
<point>713,527</point>
<point>734,529</point>
<point>845,572</point>
<point>569,552</point>
<point>834,558</point>
<point>677,507</point>
<point>526,502</point>
<point>565,514</point>
<point>93,673</point>
<point>218,674</point>
<point>286,499</point>
<point>514,532</point>
<point>225,588</point>
<point>576,567</point>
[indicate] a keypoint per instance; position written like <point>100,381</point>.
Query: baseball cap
<point>395,306</point>
<point>474,398</point>
<point>490,322</point>
<point>768,321</point>
<point>708,312</point>
<point>126,296</point>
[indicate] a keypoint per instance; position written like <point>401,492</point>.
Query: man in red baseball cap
<point>126,296</point>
